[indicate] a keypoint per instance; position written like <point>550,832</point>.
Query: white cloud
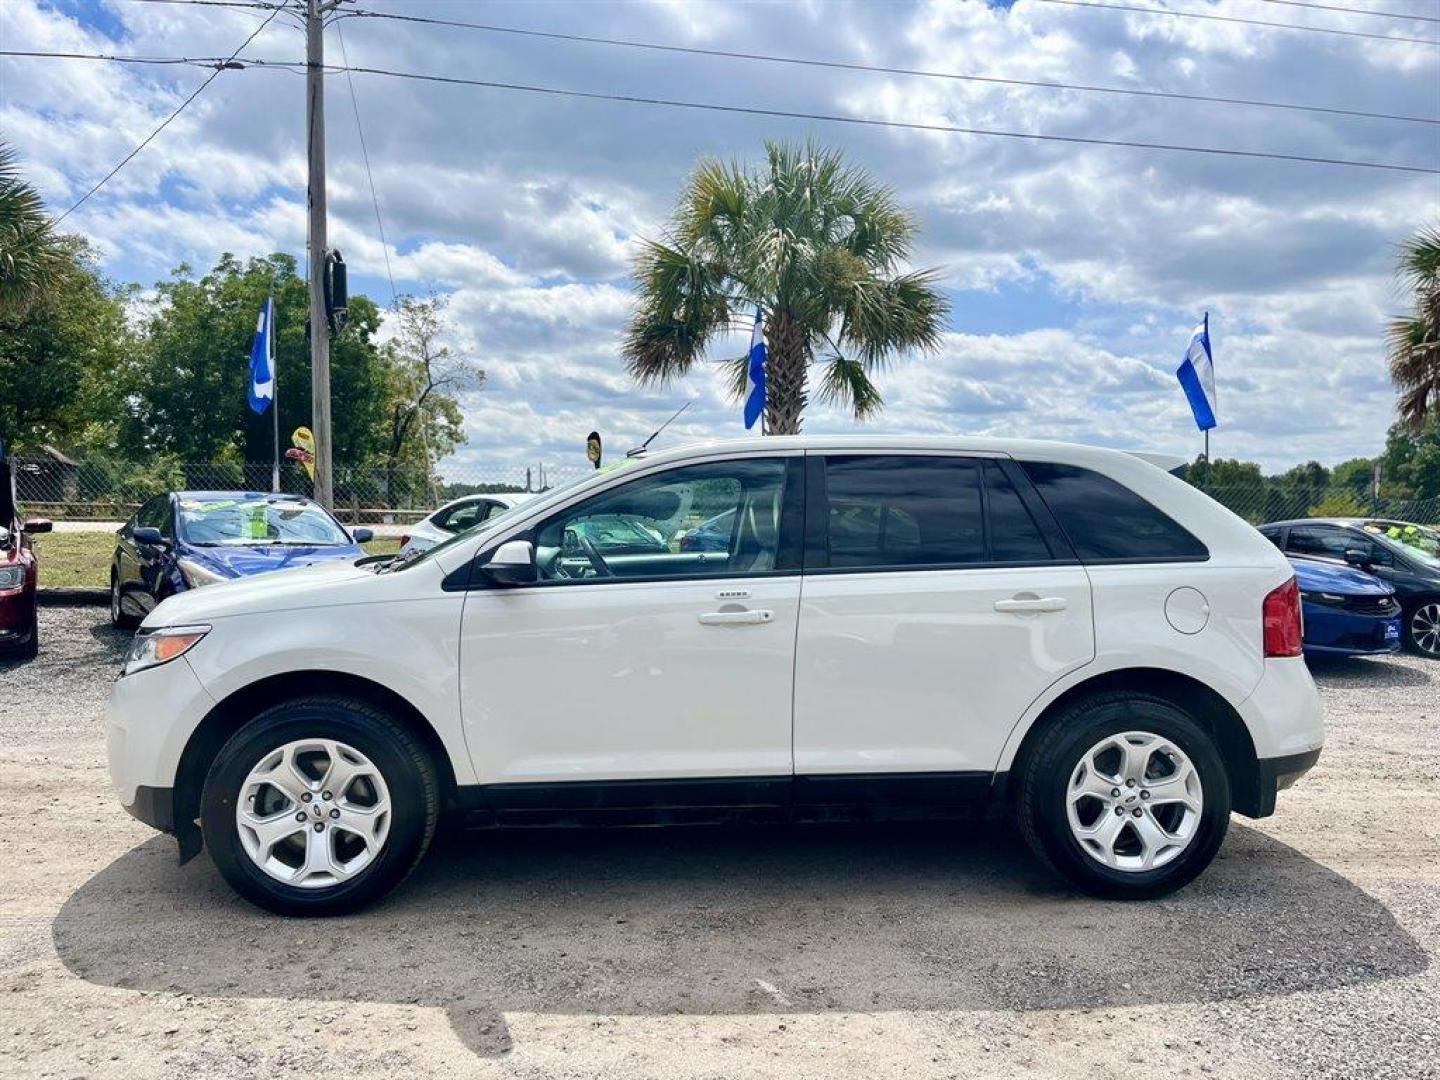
<point>1076,271</point>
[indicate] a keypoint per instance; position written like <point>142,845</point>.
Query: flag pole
<point>274,399</point>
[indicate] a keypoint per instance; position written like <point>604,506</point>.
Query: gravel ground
<point>1305,951</point>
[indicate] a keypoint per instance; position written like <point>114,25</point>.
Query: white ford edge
<point>1064,635</point>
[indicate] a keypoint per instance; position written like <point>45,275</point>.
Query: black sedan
<point>1401,553</point>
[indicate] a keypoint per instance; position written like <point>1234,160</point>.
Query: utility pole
<point>315,11</point>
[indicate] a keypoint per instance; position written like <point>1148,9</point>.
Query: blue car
<point>1347,612</point>
<point>187,539</point>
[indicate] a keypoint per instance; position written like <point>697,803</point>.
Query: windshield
<point>260,521</point>
<point>1414,541</point>
<point>500,520</point>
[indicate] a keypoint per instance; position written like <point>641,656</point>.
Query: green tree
<point>58,360</point>
<point>33,257</point>
<point>818,247</point>
<point>1415,338</point>
<point>187,381</point>
<point>423,418</point>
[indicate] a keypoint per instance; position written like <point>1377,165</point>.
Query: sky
<point>1076,273</point>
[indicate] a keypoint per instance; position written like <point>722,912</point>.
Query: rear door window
<point>893,511</point>
<point>1106,521</point>
<point>1014,534</point>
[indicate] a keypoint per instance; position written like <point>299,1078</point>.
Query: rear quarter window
<point>1106,521</point>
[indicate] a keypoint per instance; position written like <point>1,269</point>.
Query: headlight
<point>1324,598</point>
<point>12,577</point>
<point>196,575</point>
<point>155,647</point>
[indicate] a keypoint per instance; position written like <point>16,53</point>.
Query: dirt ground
<point>1305,951</point>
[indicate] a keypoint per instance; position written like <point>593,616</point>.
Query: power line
<point>840,65</point>
<point>228,63</point>
<point>631,99</point>
<point>1236,19</point>
<point>365,155</point>
<point>166,122</point>
<point>1355,11</point>
<point>260,5</point>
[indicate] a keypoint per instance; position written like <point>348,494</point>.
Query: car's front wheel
<point>1125,795</point>
<point>319,806</point>
<point>1422,628</point>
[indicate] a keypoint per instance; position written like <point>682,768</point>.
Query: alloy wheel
<point>115,600</point>
<point>1425,629</point>
<point>1134,801</point>
<point>313,813</point>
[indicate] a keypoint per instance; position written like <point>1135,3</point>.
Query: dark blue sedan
<point>1347,612</point>
<point>187,539</point>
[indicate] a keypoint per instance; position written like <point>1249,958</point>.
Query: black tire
<point>29,648</point>
<point>1430,606</point>
<point>402,761</point>
<point>1045,775</point>
<point>119,618</point>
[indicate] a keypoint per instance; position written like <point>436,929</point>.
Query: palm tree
<point>31,255</point>
<point>1415,338</point>
<point>817,247</point>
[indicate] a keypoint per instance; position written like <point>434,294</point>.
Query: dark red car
<point>19,630</point>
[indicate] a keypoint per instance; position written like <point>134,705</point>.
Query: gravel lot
<point>1306,951</point>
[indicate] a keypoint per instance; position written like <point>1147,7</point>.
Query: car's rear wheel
<point>118,615</point>
<point>1125,795</point>
<point>1422,628</point>
<point>319,806</point>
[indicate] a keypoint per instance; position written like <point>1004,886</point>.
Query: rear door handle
<point>736,618</point>
<point>1028,605</point>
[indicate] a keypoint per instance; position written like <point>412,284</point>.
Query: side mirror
<point>1357,557</point>
<point>38,525</point>
<point>512,563</point>
<point>148,534</point>
<point>362,535</point>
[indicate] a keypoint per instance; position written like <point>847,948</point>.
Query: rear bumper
<point>1277,774</point>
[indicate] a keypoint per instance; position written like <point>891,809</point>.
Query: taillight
<point>1284,629</point>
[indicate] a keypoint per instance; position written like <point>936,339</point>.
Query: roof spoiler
<point>1171,463</point>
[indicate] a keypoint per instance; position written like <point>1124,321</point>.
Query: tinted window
<point>643,529</point>
<point>464,516</point>
<point>1106,520</point>
<point>1014,536</point>
<point>1273,535</point>
<point>152,515</point>
<point>1324,541</point>
<point>903,511</point>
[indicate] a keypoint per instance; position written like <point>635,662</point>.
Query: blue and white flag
<point>262,359</point>
<point>1197,376</point>
<point>755,374</point>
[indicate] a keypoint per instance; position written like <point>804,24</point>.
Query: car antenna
<point>640,450</point>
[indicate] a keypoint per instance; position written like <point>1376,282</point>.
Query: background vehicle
<point>713,534</point>
<point>455,517</point>
<point>1347,613</point>
<point>186,539</point>
<point>1402,554</point>
<point>19,570</point>
<point>1066,636</point>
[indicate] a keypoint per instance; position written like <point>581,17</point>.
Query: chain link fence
<point>100,490</point>
<point>1272,502</point>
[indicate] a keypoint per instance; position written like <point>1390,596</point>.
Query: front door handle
<point>1028,605</point>
<point>736,618</point>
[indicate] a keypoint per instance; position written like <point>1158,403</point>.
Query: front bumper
<point>151,717</point>
<point>154,806</point>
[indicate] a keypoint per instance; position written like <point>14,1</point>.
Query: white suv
<point>1064,635</point>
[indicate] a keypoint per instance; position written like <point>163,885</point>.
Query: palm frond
<point>846,384</point>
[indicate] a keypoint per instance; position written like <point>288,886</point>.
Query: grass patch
<point>82,559</point>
